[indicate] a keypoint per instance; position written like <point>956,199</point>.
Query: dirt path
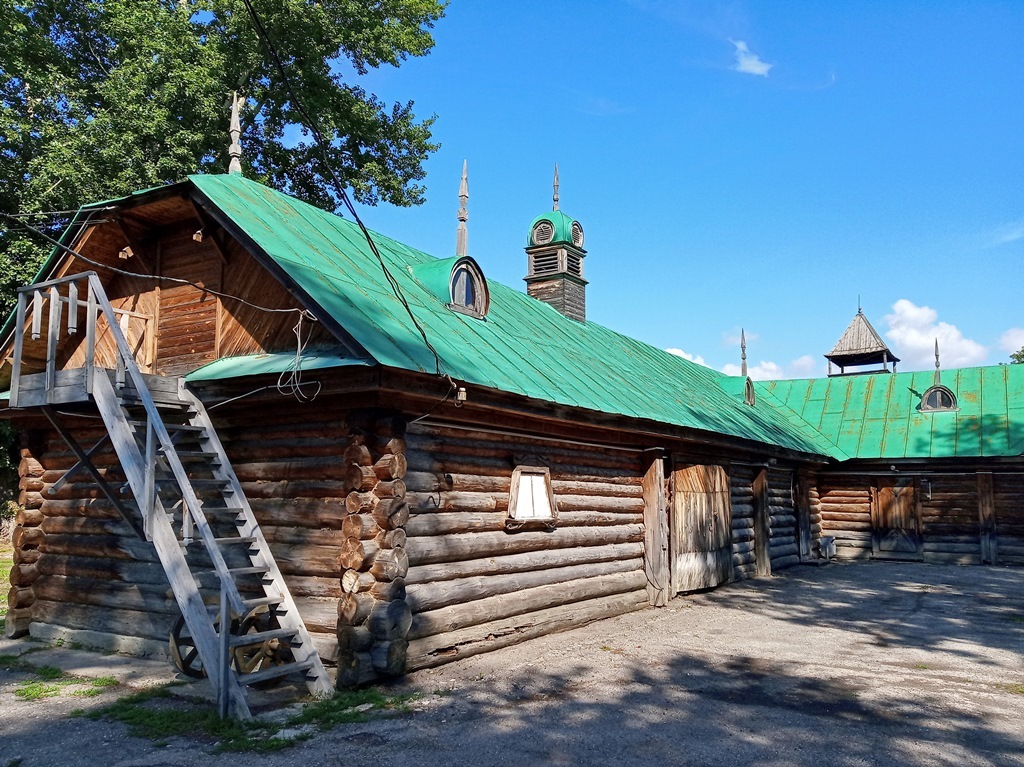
<point>856,664</point>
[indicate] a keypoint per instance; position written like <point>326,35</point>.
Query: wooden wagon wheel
<point>249,659</point>
<point>246,659</point>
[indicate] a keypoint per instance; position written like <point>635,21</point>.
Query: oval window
<point>469,292</point>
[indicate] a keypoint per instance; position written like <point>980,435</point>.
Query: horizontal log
<point>356,554</point>
<point>429,483</point>
<point>390,466</point>
<point>359,526</point>
<point>839,527</point>
<point>489,609</point>
<point>361,478</point>
<point>28,517</point>
<point>389,657</point>
<point>390,564</point>
<point>431,596</point>
<point>354,609</point>
<point>16,622</point>
<point>323,488</point>
<point>23,575</point>
<point>27,537</point>
<point>392,539</point>
<point>356,502</point>
<point>354,669</point>
<point>147,625</point>
<point>948,547</point>
<point>354,638</point>
<point>787,561</point>
<point>463,643</point>
<point>394,446</point>
<point>391,513</point>
<point>526,562</point>
<point>311,586</point>
<point>26,556</point>
<point>144,597</point>
<point>20,597</point>
<point>745,571</point>
<point>294,559</point>
<point>355,582</point>
<point>394,488</point>
<point>101,568</point>
<point>357,454</point>
<point>389,591</point>
<point>457,547</point>
<point>319,614</point>
<point>390,620</point>
<point>783,550</point>
<point>447,501</point>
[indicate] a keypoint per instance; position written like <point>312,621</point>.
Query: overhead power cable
<point>339,187</point>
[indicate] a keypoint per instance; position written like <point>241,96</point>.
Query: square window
<point>531,502</point>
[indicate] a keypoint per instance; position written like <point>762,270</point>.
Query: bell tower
<point>554,250</point>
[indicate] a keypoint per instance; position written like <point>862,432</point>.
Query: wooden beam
<point>656,559</point>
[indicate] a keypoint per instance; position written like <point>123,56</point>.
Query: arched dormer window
<point>748,393</point>
<point>468,288</point>
<point>938,398</point>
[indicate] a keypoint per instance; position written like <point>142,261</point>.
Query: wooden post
<point>656,560</point>
<point>987,519</point>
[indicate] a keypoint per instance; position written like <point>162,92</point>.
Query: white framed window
<point>531,502</point>
<point>468,289</point>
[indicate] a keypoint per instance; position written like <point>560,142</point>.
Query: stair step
<point>274,672</point>
<point>195,456</point>
<point>258,637</point>
<point>171,427</point>
<point>249,539</point>
<point>250,604</point>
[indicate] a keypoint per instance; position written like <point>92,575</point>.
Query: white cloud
<point>913,330</point>
<point>1008,233</point>
<point>1012,340</point>
<point>687,356</point>
<point>762,371</point>
<point>747,62</point>
<point>806,366</point>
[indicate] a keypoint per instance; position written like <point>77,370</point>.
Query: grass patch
<point>350,706</point>
<point>153,715</point>
<point>1016,689</point>
<point>922,666</point>
<point>97,687</point>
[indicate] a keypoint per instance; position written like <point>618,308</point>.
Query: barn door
<point>762,525</point>
<point>895,520</point>
<point>701,539</point>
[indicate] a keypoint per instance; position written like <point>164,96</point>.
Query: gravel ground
<point>848,664</point>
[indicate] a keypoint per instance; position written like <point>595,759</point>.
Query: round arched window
<point>468,289</point>
<point>938,398</point>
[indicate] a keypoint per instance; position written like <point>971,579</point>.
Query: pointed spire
<point>554,197</point>
<point>235,150</point>
<point>938,372</point>
<point>462,235</point>
<point>743,352</point>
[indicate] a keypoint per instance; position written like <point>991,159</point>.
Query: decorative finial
<point>235,150</point>
<point>938,372</point>
<point>743,352</point>
<point>554,197</point>
<point>462,236</point>
<point>859,309</point>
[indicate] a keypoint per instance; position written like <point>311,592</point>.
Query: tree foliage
<point>102,97</point>
<point>1018,356</point>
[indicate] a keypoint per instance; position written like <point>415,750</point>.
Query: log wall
<point>950,530</point>
<point>1008,500</point>
<point>784,545</point>
<point>472,586</point>
<point>845,514</point>
<point>741,480</point>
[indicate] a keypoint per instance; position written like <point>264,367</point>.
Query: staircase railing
<point>139,469</point>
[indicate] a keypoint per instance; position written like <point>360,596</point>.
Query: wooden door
<point>701,532</point>
<point>895,519</point>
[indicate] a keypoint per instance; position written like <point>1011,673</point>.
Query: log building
<point>238,410</point>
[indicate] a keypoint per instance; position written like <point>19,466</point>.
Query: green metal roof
<point>878,416</point>
<point>523,346</point>
<point>561,223</point>
<point>276,362</point>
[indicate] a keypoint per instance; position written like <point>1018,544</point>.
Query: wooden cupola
<point>554,249</point>
<point>859,346</point>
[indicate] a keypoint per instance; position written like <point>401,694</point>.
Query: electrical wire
<point>139,275</point>
<point>339,188</point>
<point>290,381</point>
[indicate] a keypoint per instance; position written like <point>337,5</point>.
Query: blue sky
<point>741,164</point>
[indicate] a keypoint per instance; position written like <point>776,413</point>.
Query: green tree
<point>102,97</point>
<point>1018,356</point>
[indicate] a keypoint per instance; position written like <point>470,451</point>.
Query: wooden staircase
<point>188,500</point>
